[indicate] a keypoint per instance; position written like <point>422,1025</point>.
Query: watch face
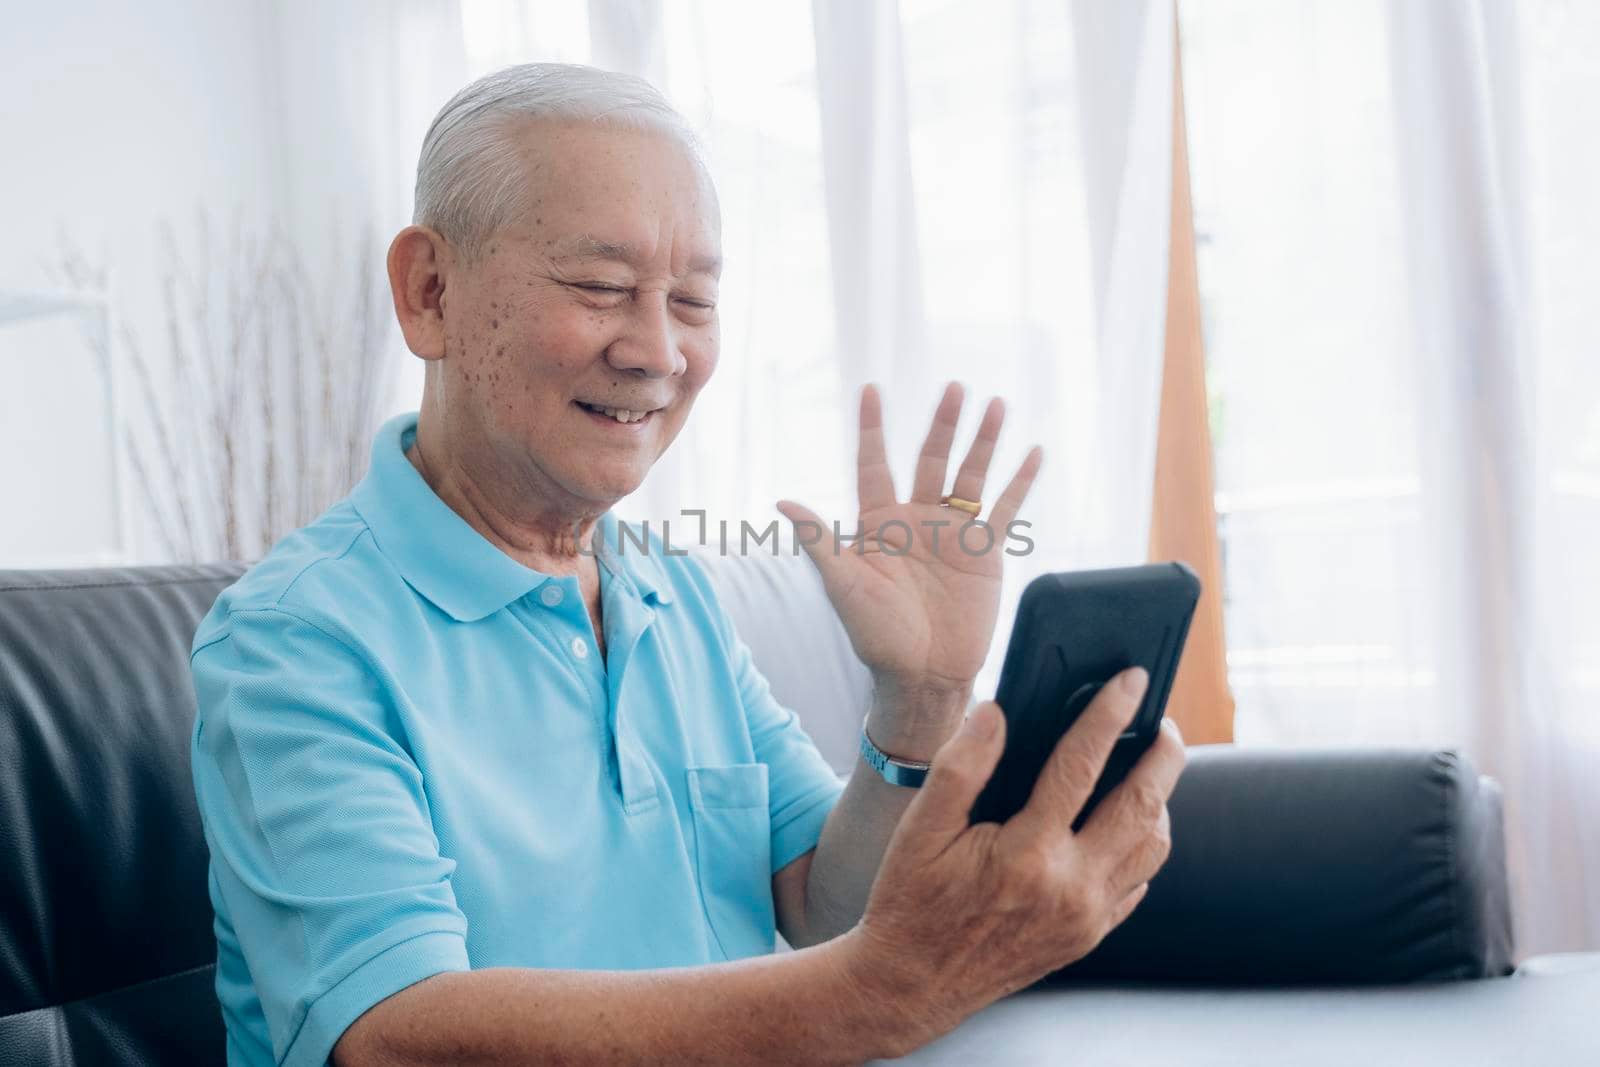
<point>900,774</point>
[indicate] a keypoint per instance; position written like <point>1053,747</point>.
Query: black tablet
<point>1074,632</point>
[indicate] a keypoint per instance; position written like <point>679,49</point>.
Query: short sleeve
<point>802,788</point>
<point>321,842</point>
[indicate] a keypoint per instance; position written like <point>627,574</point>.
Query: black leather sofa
<point>1287,867</point>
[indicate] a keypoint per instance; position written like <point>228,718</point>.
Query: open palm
<point>919,594</point>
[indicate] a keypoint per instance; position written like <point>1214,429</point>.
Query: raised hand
<point>919,594</point>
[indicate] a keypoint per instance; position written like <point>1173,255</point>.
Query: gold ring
<point>971,507</point>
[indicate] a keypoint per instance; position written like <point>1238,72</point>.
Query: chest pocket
<point>733,855</point>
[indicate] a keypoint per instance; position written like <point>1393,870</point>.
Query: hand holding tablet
<point>998,874</point>
<point>1074,632</point>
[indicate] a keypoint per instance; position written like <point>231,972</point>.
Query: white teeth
<point>620,414</point>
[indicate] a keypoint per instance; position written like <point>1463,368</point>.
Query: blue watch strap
<point>894,771</point>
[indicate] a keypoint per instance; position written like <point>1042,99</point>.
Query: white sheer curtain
<point>351,89</point>
<point>881,321</point>
<point>912,192</point>
<point>1395,209</point>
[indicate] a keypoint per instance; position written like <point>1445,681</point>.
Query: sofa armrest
<point>1321,866</point>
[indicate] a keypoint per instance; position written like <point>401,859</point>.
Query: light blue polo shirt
<point>410,758</point>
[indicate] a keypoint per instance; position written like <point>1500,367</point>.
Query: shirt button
<point>551,594</point>
<point>580,648</point>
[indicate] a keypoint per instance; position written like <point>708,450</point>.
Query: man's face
<point>601,295</point>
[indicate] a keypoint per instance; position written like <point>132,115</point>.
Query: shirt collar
<point>442,557</point>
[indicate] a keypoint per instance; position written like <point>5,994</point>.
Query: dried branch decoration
<point>255,410</point>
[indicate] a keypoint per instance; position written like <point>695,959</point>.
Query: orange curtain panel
<point>1184,521</point>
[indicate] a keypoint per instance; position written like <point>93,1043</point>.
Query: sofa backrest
<point>1333,867</point>
<point>106,949</point>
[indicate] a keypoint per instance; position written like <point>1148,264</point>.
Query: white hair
<point>470,181</point>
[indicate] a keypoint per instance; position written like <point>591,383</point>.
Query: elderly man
<point>485,783</point>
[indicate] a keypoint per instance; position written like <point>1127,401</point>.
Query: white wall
<point>114,116</point>
<point>298,117</point>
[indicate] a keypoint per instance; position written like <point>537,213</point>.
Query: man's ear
<point>419,259</point>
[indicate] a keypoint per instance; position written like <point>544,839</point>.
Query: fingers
<point>874,479</point>
<point>1069,775</point>
<point>939,812</point>
<point>1131,826</point>
<point>975,468</point>
<point>1151,847</point>
<point>816,537</point>
<point>875,483</point>
<point>934,459</point>
<point>1005,509</point>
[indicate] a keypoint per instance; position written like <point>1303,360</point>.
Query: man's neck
<point>551,543</point>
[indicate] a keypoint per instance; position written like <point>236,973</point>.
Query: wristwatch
<point>894,771</point>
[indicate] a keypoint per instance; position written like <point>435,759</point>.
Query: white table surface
<point>1551,1016</point>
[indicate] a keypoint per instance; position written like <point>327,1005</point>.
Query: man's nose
<point>649,343</point>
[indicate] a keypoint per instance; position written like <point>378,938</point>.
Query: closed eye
<point>612,291</point>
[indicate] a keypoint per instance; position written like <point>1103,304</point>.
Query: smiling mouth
<point>624,416</point>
